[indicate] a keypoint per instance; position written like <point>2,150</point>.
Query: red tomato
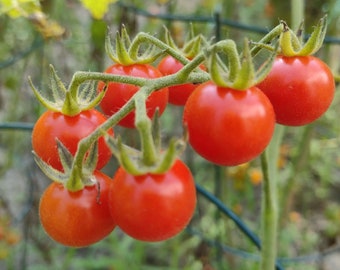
<point>228,127</point>
<point>80,218</point>
<point>301,88</point>
<point>117,94</point>
<point>153,207</point>
<point>69,130</point>
<point>178,94</point>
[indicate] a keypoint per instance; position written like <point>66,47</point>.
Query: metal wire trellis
<point>216,19</point>
<point>218,23</point>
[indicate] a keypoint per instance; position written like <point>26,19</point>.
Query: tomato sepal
<point>292,44</point>
<point>175,148</point>
<point>240,73</point>
<point>53,174</point>
<point>68,102</point>
<point>74,177</point>
<point>132,160</point>
<point>127,52</point>
<point>151,158</point>
<point>192,45</point>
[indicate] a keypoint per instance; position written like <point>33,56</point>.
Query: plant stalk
<point>270,211</point>
<point>297,13</point>
<point>144,126</point>
<point>149,86</point>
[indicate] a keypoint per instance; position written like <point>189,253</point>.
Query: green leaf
<point>97,8</point>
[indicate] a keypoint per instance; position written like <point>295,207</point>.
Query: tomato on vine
<point>300,86</point>
<point>117,94</point>
<point>69,130</point>
<point>301,89</point>
<point>227,126</point>
<point>178,94</point>
<point>153,207</point>
<point>77,219</point>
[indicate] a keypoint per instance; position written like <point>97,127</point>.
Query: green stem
<point>82,76</point>
<point>75,183</point>
<point>150,85</point>
<point>183,75</point>
<point>297,13</point>
<point>270,202</point>
<point>144,126</point>
<point>228,47</point>
<point>189,66</point>
<point>144,37</point>
<point>273,34</point>
<point>86,142</point>
<point>269,218</point>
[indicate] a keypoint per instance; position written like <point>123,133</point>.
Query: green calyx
<point>240,72</point>
<point>193,44</point>
<point>151,158</point>
<point>68,102</point>
<point>292,44</point>
<point>74,177</point>
<point>133,162</point>
<point>127,52</point>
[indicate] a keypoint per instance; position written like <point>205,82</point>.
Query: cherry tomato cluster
<point>149,207</point>
<point>230,127</point>
<point>228,121</point>
<point>73,218</point>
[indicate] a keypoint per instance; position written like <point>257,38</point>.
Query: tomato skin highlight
<point>117,94</point>
<point>77,219</point>
<point>228,127</point>
<point>301,89</point>
<point>153,207</point>
<point>69,130</point>
<point>178,94</point>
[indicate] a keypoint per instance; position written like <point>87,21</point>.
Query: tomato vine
<point>229,119</point>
